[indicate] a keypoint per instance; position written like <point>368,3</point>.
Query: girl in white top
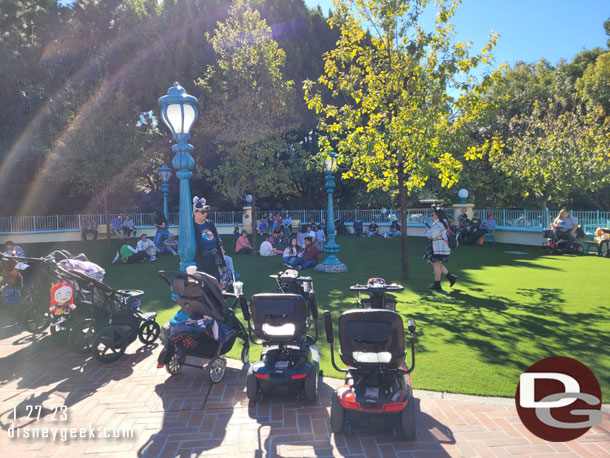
<point>438,251</point>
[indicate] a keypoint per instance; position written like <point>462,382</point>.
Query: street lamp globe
<point>249,198</point>
<point>178,111</point>
<point>330,163</point>
<point>165,173</point>
<point>463,194</point>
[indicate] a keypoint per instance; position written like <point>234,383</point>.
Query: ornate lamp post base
<point>330,268</point>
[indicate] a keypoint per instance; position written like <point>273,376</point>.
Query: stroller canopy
<point>279,317</point>
<point>372,338</point>
<point>200,294</point>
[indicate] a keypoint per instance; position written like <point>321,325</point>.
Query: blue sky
<point>529,29</point>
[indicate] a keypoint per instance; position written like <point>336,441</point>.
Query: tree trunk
<point>403,218</point>
<point>254,249</point>
<point>108,234</point>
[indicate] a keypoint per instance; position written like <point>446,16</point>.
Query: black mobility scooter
<point>290,360</point>
<point>212,327</point>
<point>377,390</point>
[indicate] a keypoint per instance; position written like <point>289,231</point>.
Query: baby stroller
<point>556,242</point>
<point>32,306</point>
<point>114,320</point>
<point>378,299</point>
<point>377,388</point>
<point>340,227</point>
<point>290,359</point>
<point>211,331</point>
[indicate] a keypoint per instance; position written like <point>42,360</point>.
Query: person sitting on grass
<point>266,249</point>
<point>291,254</point>
<point>373,229</point>
<point>129,255</point>
<point>262,227</point>
<point>310,255</point>
<point>394,230</point>
<point>242,246</point>
<point>128,227</point>
<point>489,223</point>
<point>236,232</point>
<point>170,245</point>
<point>12,249</point>
<point>115,226</point>
<point>148,246</point>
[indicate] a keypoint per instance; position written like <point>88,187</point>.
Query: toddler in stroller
<point>210,331</point>
<point>290,358</point>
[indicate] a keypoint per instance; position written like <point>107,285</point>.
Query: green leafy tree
<point>555,152</point>
<point>392,120</point>
<point>249,106</point>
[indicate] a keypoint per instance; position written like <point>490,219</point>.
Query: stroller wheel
<point>149,332</point>
<point>407,421</point>
<point>32,317</point>
<point>175,365</point>
<point>81,336</point>
<point>109,344</point>
<point>547,249</point>
<point>251,386</point>
<point>216,369</point>
<point>310,386</point>
<point>337,415</point>
<point>580,249</point>
<point>59,336</point>
<point>245,354</point>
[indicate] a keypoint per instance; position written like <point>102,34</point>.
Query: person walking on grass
<point>438,251</point>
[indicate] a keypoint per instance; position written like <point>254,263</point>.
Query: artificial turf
<point>505,312</point>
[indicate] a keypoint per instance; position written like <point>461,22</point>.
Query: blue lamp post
<point>179,113</point>
<point>331,263</point>
<point>165,173</point>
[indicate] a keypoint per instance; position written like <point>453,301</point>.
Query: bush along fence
<point>513,220</point>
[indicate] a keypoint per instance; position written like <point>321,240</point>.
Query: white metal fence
<point>517,220</point>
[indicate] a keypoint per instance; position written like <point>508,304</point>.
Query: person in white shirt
<point>144,244</point>
<point>438,251</point>
<point>266,249</point>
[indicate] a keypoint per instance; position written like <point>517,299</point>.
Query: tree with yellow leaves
<point>392,118</point>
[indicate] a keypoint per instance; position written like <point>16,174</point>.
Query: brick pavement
<point>185,416</point>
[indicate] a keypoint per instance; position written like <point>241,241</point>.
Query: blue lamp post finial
<point>179,113</point>
<point>331,263</point>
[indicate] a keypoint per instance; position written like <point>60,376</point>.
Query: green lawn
<point>505,313</point>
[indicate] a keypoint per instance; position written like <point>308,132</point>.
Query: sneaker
<point>452,279</point>
<point>288,266</point>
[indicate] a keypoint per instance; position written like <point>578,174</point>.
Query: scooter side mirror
<point>314,305</point>
<point>244,307</point>
<point>411,326</point>
<point>328,327</point>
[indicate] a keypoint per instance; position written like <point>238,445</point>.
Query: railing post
<point>57,221</point>
<point>80,224</point>
<point>11,221</point>
<point>34,222</point>
<point>504,217</point>
<point>597,218</point>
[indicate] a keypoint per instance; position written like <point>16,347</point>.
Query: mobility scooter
<point>377,390</point>
<point>290,359</point>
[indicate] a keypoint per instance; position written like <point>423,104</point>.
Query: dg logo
<point>559,399</point>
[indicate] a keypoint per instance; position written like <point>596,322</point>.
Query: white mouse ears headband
<point>199,204</point>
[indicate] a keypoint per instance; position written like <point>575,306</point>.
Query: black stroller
<point>290,358</point>
<point>114,319</point>
<point>211,330</point>
<point>358,228</point>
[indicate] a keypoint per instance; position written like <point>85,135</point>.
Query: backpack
<point>452,239</point>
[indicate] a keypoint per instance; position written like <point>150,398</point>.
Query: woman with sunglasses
<point>208,256</point>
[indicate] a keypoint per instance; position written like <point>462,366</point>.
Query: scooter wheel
<point>407,421</point>
<point>337,415</point>
<point>251,386</point>
<point>310,386</point>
